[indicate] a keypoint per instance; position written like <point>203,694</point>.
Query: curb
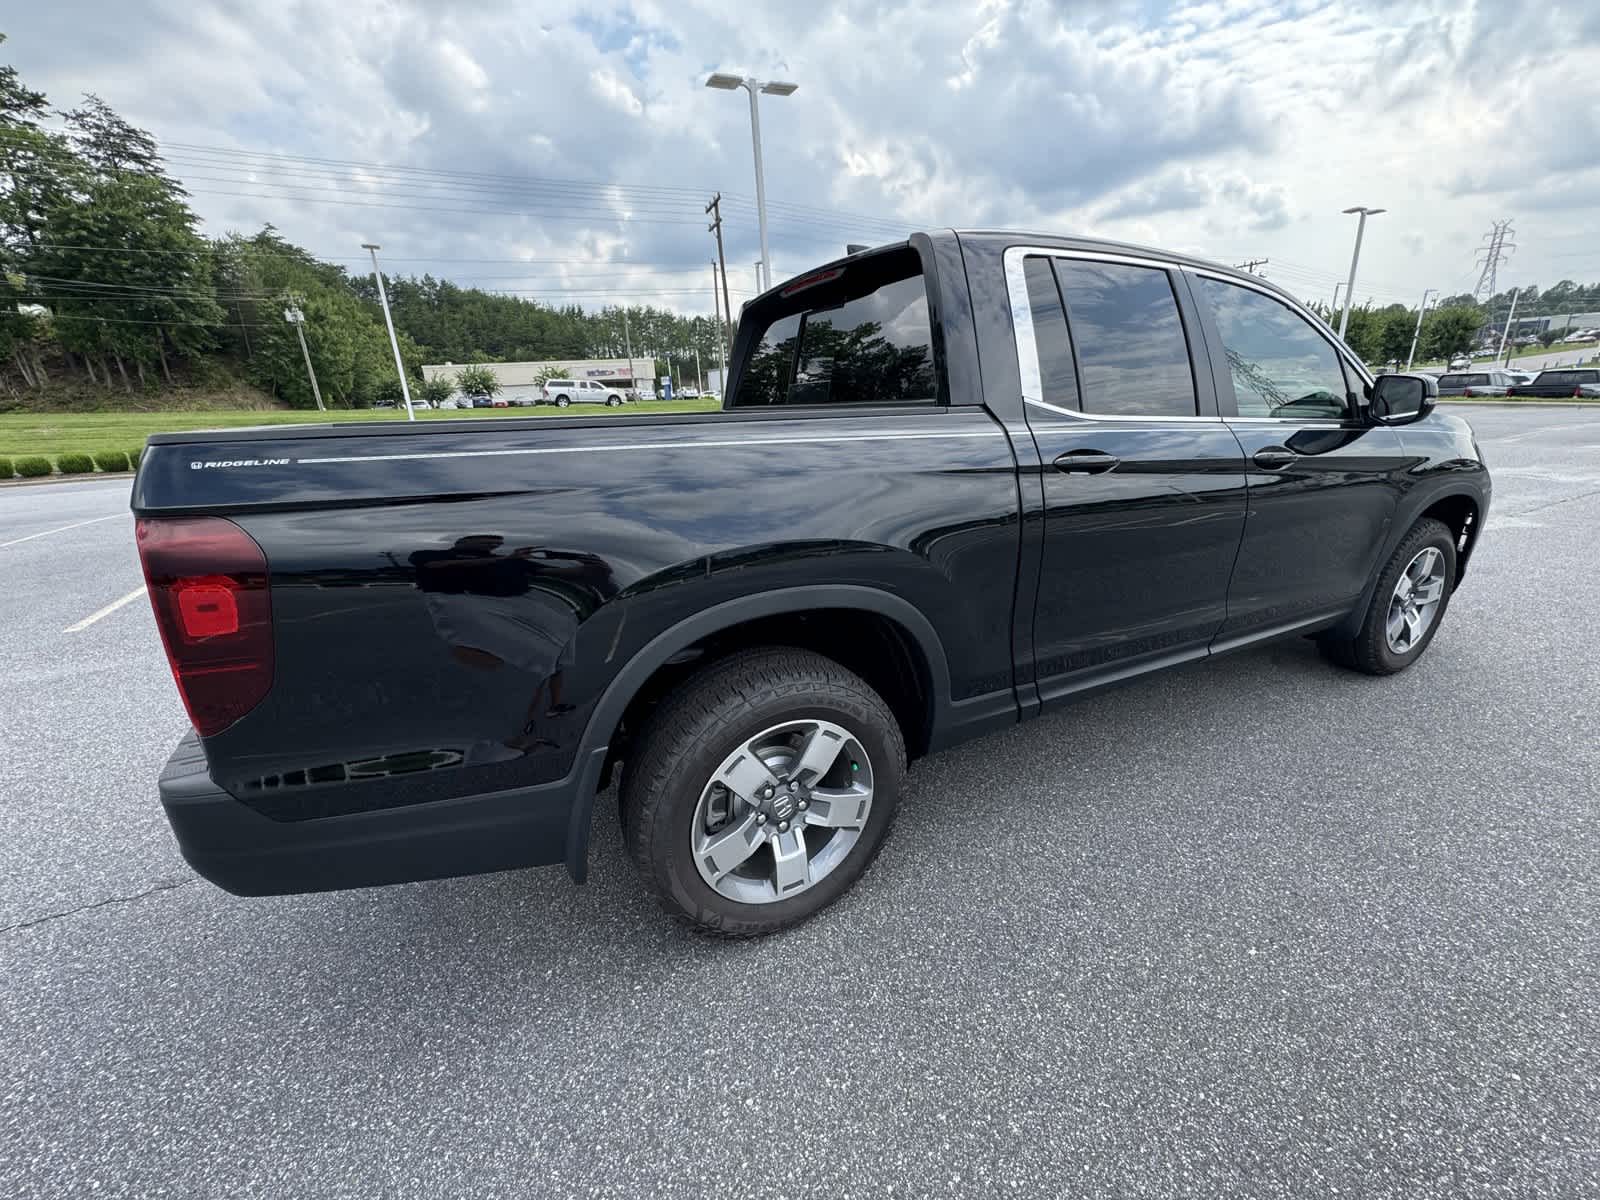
<point>86,477</point>
<point>1515,403</point>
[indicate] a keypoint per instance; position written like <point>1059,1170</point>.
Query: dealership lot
<point>1256,927</point>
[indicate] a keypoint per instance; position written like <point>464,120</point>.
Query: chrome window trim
<point>1027,343</point>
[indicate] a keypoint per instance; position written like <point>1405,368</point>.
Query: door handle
<point>1086,462</point>
<point>1273,458</point>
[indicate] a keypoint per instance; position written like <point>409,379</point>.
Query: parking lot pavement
<point>1258,927</point>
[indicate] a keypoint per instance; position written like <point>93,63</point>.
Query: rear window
<point>1570,378</point>
<point>857,335</point>
<point>1463,381</point>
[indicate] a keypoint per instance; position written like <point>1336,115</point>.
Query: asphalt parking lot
<point>1258,927</point>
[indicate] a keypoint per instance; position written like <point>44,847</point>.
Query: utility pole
<point>394,342</point>
<point>723,334</point>
<point>1500,355</point>
<point>699,375</point>
<point>1417,332</point>
<point>1335,307</point>
<point>759,288</point>
<point>297,318</point>
<point>1251,265</point>
<point>716,227</point>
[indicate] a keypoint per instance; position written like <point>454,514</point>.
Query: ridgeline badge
<point>240,462</point>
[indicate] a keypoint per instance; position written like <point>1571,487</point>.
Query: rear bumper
<point>240,850</point>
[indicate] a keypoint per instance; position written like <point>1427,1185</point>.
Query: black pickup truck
<point>1559,383</point>
<point>957,482</point>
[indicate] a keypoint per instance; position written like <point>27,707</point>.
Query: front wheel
<point>761,790</point>
<point>613,401</point>
<point>1407,605</point>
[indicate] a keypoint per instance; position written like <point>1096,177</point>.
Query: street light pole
<point>1506,332</point>
<point>752,85</point>
<point>394,342</point>
<point>1417,332</point>
<point>1335,307</point>
<point>1355,258</point>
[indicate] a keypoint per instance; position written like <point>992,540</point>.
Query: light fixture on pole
<point>394,342</point>
<point>1355,257</point>
<point>1417,332</point>
<point>728,83</point>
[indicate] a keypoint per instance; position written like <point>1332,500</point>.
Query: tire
<point>562,402</point>
<point>707,722</point>
<point>1370,650</point>
<point>613,402</point>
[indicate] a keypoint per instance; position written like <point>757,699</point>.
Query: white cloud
<point>1236,128</point>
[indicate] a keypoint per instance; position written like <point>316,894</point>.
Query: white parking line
<point>61,529</point>
<point>104,612</point>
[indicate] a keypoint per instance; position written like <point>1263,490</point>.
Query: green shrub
<point>111,460</point>
<point>5,468</point>
<point>32,466</point>
<point>436,391</point>
<point>134,456</point>
<point>74,464</point>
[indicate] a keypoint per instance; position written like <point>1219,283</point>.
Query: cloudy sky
<point>559,148</point>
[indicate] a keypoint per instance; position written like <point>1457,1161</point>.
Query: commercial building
<point>518,377</point>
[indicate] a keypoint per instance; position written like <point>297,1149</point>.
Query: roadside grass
<point>55,434</point>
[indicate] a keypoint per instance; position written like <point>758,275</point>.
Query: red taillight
<point>1577,391</point>
<point>1466,391</point>
<point>208,587</point>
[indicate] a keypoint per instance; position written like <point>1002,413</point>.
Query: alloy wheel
<point>1414,604</point>
<point>782,812</point>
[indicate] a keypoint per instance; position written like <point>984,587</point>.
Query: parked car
<point>482,402</point>
<point>1560,383</point>
<point>873,552</point>
<point>1517,375</point>
<point>1475,383</point>
<point>500,402</point>
<point>562,392</point>
<point>1460,363</point>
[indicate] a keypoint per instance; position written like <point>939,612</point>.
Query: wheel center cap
<point>784,805</point>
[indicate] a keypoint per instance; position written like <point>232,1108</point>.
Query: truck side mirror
<point>1402,399</point>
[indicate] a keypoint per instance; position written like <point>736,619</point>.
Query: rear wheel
<point>562,402</point>
<point>1409,602</point>
<point>761,790</point>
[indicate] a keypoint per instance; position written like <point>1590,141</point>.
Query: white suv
<point>562,392</point>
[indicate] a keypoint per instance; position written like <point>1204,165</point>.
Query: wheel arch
<point>634,679</point>
<point>1459,508</point>
<point>744,610</point>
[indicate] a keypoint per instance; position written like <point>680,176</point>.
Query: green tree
<point>436,391</point>
<point>478,381</point>
<point>1447,332</point>
<point>1549,337</point>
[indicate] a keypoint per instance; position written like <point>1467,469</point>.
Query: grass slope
<point>54,434</point>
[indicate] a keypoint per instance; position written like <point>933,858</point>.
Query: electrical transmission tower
<point>1497,247</point>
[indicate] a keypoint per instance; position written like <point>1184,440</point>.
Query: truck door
<point>1143,485</point>
<point>1323,482</point>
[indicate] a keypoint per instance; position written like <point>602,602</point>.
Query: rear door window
<point>1132,352</point>
<point>857,335</point>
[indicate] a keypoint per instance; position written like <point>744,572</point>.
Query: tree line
<point>106,278</point>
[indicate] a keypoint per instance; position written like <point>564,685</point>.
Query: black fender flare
<point>613,702</point>
<point>1407,513</point>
